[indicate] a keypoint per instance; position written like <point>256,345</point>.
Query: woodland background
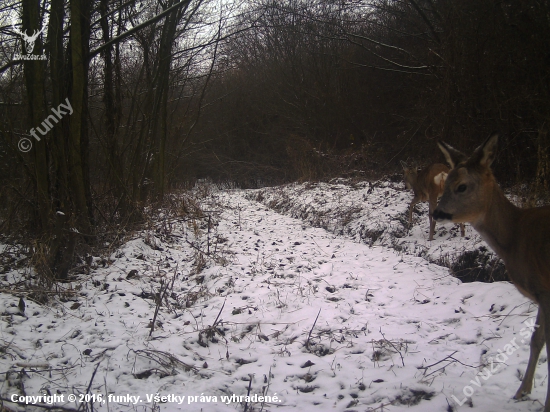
<point>252,93</point>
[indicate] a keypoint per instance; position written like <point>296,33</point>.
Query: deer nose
<point>441,216</point>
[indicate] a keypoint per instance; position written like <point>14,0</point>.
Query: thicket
<point>251,93</point>
<point>316,89</point>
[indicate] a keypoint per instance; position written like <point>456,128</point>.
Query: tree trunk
<point>162,79</point>
<point>78,138</point>
<point>34,82</point>
<point>60,186</point>
<point>62,245</point>
<point>112,110</point>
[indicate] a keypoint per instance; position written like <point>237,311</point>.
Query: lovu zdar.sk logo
<point>29,44</point>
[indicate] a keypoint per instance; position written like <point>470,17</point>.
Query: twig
<point>266,389</point>
<point>160,297</point>
<point>391,343</point>
<point>380,408</point>
<point>208,236</point>
<point>511,310</point>
<point>90,385</point>
<point>219,313</point>
<point>250,375</point>
<point>47,407</point>
<point>446,358</point>
<point>438,362</point>
<point>164,359</point>
<point>311,330</point>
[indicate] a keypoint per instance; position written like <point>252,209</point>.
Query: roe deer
<point>521,237</point>
<point>427,185</point>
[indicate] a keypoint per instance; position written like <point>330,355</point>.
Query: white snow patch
<point>264,304</point>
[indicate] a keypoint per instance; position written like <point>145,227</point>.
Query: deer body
<point>427,185</point>
<point>521,237</point>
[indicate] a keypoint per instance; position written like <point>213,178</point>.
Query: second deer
<point>427,185</point>
<point>521,237</point>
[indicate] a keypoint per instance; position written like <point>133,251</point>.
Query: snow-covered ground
<point>256,303</point>
<point>376,213</point>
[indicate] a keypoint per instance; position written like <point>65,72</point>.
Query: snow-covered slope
<point>255,303</point>
<point>377,213</point>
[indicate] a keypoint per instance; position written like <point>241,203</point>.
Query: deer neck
<point>497,225</point>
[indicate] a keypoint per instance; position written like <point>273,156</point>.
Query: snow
<point>350,315</point>
<point>376,213</point>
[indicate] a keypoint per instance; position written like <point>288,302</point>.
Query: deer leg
<point>432,228</point>
<point>537,342</point>
<point>461,229</point>
<point>411,207</point>
<point>546,322</point>
<point>433,205</point>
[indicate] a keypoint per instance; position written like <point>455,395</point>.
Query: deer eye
<point>461,188</point>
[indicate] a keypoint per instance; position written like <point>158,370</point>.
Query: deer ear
<point>485,154</point>
<point>452,155</point>
<point>404,165</point>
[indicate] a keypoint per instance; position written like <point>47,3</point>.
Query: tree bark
<point>78,139</point>
<point>34,82</point>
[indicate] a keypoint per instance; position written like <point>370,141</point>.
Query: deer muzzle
<point>441,216</point>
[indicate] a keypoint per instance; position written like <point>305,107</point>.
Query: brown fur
<point>521,237</point>
<point>427,185</point>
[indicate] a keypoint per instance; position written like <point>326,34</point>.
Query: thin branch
<point>311,330</point>
<point>436,363</point>
<point>426,20</point>
<point>137,28</point>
